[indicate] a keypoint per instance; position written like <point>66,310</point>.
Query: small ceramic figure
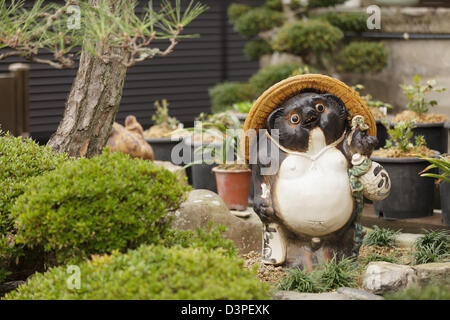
<point>311,203</point>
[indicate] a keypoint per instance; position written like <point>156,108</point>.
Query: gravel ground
<point>266,273</point>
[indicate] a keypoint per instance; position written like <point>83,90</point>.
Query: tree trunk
<point>91,108</point>
<point>92,103</point>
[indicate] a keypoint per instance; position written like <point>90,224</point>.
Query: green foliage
<point>433,291</point>
<point>267,77</point>
<point>255,49</point>
<point>310,36</point>
<point>340,273</point>
<point>433,246</point>
<point>346,21</point>
<point>151,273</point>
<point>443,163</point>
<point>224,95</point>
<point>211,238</point>
<point>401,137</point>
<point>257,20</point>
<point>373,257</point>
<point>236,10</point>
<point>324,3</point>
<point>303,70</point>
<point>276,5</point>
<point>301,281</point>
<point>243,107</point>
<point>97,205</point>
<point>381,237</point>
<point>363,57</point>
<point>326,277</point>
<point>417,92</point>
<point>161,117</point>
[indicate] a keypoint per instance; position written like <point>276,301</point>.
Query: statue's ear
<point>337,101</point>
<point>270,123</point>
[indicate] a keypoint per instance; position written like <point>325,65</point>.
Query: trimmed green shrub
<point>270,75</point>
<point>381,237</point>
<point>433,246</point>
<point>97,205</point>
<point>224,95</point>
<point>255,49</point>
<point>303,37</point>
<point>324,3</point>
<point>151,273</point>
<point>346,21</point>
<point>276,5</point>
<point>236,10</point>
<point>256,20</point>
<point>20,160</point>
<point>363,57</point>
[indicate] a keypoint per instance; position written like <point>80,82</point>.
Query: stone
<point>406,240</point>
<point>358,294</point>
<point>383,277</point>
<point>293,295</point>
<point>203,206</point>
<point>438,271</point>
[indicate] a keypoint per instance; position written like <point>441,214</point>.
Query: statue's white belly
<point>314,197</point>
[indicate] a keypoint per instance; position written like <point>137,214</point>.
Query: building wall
<point>183,78</point>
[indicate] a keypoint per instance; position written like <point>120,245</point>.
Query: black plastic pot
<point>411,195</point>
<point>382,134</point>
<point>162,147</point>
<point>435,134</point>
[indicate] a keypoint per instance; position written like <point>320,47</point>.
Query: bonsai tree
<point>112,39</point>
<point>418,104</point>
<point>164,124</point>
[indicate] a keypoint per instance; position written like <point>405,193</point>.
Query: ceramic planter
<point>411,195</point>
<point>162,147</point>
<point>233,187</point>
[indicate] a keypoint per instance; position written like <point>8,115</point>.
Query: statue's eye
<point>295,118</point>
<point>320,107</point>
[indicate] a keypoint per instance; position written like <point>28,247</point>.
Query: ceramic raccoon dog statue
<point>306,206</point>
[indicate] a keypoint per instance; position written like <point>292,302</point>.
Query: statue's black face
<point>296,117</point>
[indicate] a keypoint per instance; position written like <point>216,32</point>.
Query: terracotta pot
<point>233,187</point>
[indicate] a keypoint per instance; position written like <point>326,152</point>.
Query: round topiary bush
<point>276,5</point>
<point>303,37</point>
<point>324,3</point>
<point>266,77</point>
<point>257,20</point>
<point>255,49</point>
<point>363,57</point>
<point>97,205</point>
<point>150,273</point>
<point>224,95</point>
<point>346,21</point>
<point>236,10</point>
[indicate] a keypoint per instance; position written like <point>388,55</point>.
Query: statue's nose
<point>310,115</point>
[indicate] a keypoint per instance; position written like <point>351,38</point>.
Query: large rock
<point>203,206</point>
<point>382,277</point>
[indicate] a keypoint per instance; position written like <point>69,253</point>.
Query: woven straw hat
<point>280,92</point>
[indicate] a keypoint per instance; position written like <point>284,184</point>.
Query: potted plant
<point>379,110</point>
<point>217,153</point>
<point>429,125</point>
<point>165,133</point>
<point>209,131</point>
<point>443,164</point>
<point>411,196</point>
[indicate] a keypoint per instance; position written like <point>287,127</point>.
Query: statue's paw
<point>263,208</point>
<point>362,143</point>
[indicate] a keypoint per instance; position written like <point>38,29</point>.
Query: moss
<point>224,95</point>
<point>257,20</point>
<point>269,76</point>
<point>304,37</point>
<point>150,273</point>
<point>363,57</point>
<point>255,49</point>
<point>97,205</point>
